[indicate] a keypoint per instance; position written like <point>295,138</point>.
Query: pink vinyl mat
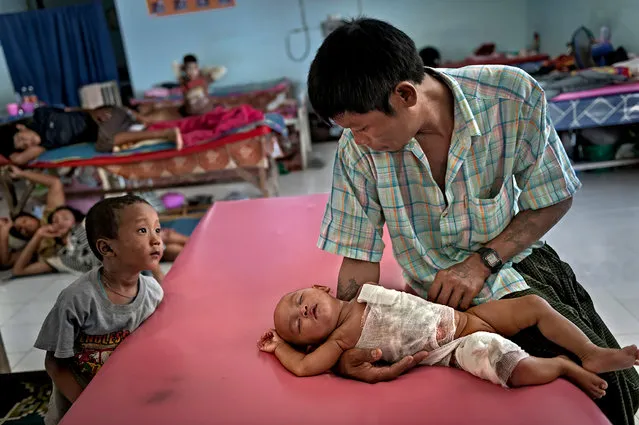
<point>195,360</point>
<point>602,91</point>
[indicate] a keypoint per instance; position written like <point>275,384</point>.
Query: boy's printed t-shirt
<point>86,327</point>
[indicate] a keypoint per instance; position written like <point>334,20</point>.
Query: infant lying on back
<point>402,324</point>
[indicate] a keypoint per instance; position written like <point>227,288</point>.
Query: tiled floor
<point>598,238</point>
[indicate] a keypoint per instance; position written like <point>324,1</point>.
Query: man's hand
<point>456,286</point>
<point>269,341</point>
<point>357,363</point>
<point>6,222</point>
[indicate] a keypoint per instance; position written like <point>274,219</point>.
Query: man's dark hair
<point>77,214</point>
<point>359,65</point>
<point>103,219</point>
<point>190,58</point>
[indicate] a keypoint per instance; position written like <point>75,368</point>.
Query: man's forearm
<point>527,228</point>
<point>352,275</point>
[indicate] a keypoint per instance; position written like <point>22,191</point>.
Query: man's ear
<point>322,288</point>
<point>405,93</point>
<point>104,248</point>
<point>21,127</point>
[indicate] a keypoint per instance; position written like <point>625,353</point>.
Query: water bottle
<point>33,98</point>
<point>19,103</point>
<point>23,93</point>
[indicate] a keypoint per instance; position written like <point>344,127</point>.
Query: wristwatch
<point>491,259</point>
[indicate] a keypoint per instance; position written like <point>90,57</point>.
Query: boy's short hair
<point>103,221</point>
<point>358,66</point>
<point>190,58</point>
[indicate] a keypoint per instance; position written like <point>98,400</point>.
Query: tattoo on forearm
<point>347,291</point>
<point>530,225</point>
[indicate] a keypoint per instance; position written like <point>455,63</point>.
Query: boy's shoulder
<point>87,284</point>
<point>153,287</point>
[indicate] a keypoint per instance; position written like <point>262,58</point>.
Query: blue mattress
<point>595,112</point>
<point>87,151</point>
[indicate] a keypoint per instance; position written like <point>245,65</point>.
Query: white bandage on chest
<point>402,324</point>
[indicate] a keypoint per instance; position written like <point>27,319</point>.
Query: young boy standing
<point>98,311</point>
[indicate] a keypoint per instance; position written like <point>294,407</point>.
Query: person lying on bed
<point>403,325</point>
<point>52,128</point>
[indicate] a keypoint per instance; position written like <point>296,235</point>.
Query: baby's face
<point>307,316</point>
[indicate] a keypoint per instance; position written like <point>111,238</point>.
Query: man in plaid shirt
<point>466,171</point>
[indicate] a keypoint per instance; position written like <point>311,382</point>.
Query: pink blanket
<point>212,125</point>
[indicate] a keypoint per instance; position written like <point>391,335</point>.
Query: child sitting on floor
<point>402,324</point>
<point>93,315</point>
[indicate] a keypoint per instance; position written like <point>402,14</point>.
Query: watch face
<point>492,259</point>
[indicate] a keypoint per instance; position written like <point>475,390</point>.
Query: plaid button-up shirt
<point>504,156</point>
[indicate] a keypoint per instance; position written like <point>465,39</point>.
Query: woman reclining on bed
<point>52,128</point>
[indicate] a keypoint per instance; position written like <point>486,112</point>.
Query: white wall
<point>557,20</point>
<point>249,38</point>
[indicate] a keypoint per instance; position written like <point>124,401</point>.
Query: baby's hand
<point>269,341</point>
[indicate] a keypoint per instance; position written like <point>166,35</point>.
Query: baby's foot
<point>593,385</point>
<point>600,360</point>
<point>590,383</point>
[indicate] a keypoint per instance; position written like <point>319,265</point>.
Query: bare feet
<point>590,383</point>
<point>600,360</point>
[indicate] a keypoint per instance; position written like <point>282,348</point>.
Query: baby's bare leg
<point>539,371</point>
<point>510,316</point>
